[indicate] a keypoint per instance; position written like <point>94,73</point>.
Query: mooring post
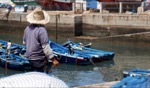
<point>74,7</point>
<point>142,5</point>
<point>120,7</point>
<point>81,7</point>
<point>20,18</point>
<point>101,7</point>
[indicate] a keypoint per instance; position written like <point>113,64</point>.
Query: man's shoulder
<point>42,29</point>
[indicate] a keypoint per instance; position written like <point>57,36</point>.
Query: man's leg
<point>40,65</point>
<point>48,67</point>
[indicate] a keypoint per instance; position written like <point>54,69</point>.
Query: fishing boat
<point>16,59</point>
<point>133,82</point>
<point>64,55</point>
<point>134,78</point>
<point>23,2</point>
<point>97,55</point>
<point>14,62</point>
<point>65,44</point>
<point>16,49</point>
<point>55,4</point>
<point>136,72</point>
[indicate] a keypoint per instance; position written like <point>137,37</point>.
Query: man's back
<point>35,36</point>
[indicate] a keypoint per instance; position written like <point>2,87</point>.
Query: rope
<point>50,70</point>
<point>59,57</point>
<point>92,62</point>
<point>66,59</point>
<point>105,72</point>
<point>76,60</point>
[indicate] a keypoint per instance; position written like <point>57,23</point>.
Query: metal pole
<point>56,26</point>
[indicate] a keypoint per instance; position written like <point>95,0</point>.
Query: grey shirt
<point>36,40</point>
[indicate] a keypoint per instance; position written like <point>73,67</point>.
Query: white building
<point>4,1</point>
<point>78,4</point>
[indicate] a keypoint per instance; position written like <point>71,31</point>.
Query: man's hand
<point>55,62</point>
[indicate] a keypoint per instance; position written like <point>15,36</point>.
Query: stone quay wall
<point>94,24</point>
<point>114,24</point>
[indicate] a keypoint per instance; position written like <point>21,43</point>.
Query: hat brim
<point>31,19</point>
<point>12,4</point>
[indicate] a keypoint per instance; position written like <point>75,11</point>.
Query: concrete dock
<point>99,85</point>
<point>92,24</point>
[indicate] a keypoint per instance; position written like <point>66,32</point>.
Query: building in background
<point>66,5</point>
<point>5,1</point>
<point>56,4</point>
<point>24,2</point>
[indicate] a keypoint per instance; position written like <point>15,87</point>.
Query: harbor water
<point>127,55</point>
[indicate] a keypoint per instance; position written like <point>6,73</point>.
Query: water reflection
<point>74,67</point>
<point>73,75</point>
<point>79,78</point>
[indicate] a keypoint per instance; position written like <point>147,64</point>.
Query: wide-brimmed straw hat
<point>38,16</point>
<point>11,3</point>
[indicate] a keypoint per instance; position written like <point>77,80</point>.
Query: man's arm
<point>24,37</point>
<point>24,42</point>
<point>49,54</point>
